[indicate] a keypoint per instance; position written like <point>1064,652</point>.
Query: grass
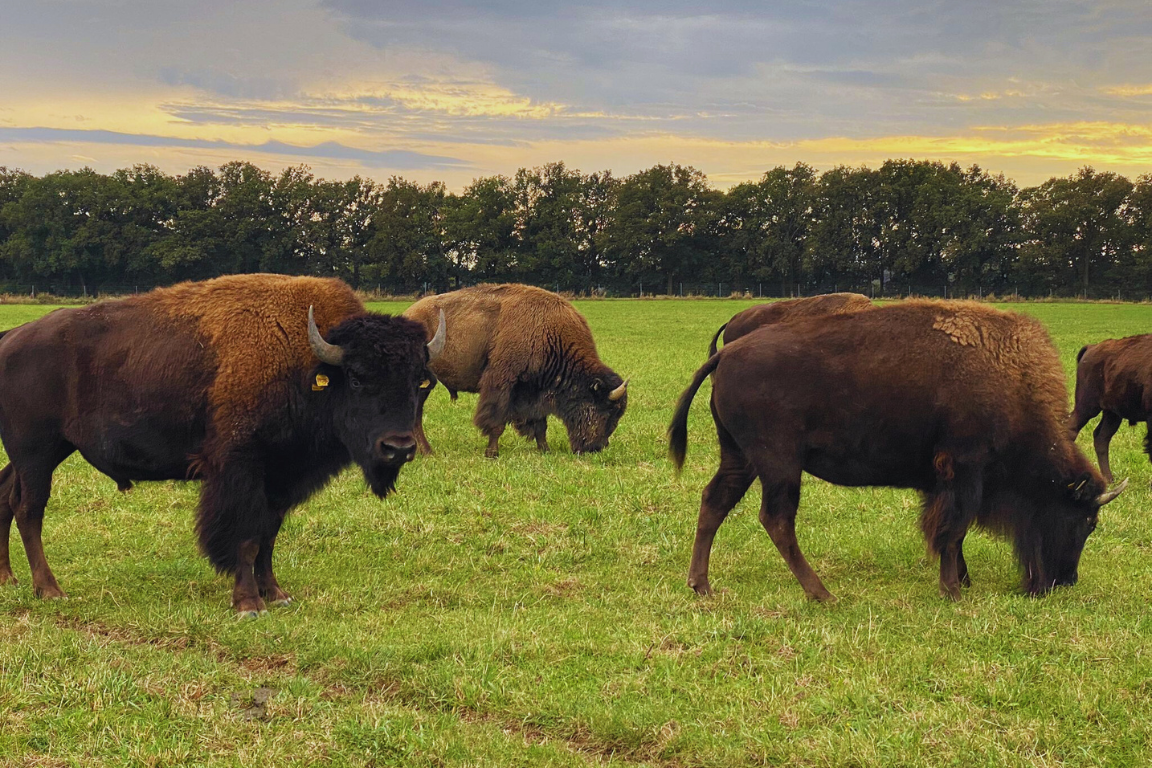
<point>533,611</point>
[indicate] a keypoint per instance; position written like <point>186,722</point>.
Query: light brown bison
<point>230,381</point>
<point>1114,376</point>
<point>529,354</point>
<point>957,400</point>
<point>760,315</point>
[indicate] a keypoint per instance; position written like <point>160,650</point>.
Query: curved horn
<point>618,393</point>
<point>327,353</point>
<point>436,346</point>
<point>1108,496</point>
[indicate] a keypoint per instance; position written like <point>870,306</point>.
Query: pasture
<point>532,610</point>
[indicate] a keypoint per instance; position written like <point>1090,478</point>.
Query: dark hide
<point>130,388</point>
<point>1113,377</point>
<point>958,401</point>
<point>760,315</point>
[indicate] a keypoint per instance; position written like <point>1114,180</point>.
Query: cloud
<point>394,158</point>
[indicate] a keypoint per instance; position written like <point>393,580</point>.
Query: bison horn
<point>327,353</point>
<point>1108,496</point>
<point>619,392</point>
<point>436,346</point>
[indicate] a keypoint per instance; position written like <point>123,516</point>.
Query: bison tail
<point>678,429</point>
<point>715,339</point>
<point>1080,354</point>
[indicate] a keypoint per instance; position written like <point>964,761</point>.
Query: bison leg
<point>423,447</point>
<point>6,517</point>
<point>29,497</point>
<point>720,496</point>
<point>1083,413</point>
<point>962,565</point>
<point>778,516</point>
<point>246,592</point>
<point>535,429</point>
<point>1102,437</point>
<point>265,579</point>
<point>493,449</point>
<point>492,410</point>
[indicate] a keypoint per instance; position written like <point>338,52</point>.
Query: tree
<point>662,217</point>
<point>1076,229</point>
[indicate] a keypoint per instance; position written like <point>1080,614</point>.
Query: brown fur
<point>752,318</point>
<point>955,399</point>
<point>264,344</point>
<point>1113,376</point>
<point>527,352</point>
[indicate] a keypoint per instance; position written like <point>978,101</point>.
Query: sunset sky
<point>459,89</point>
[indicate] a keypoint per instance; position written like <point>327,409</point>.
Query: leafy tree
<point>662,217</point>
<point>1076,229</point>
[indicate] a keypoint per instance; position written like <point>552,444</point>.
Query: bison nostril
<point>393,447</point>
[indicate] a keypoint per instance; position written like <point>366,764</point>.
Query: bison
<point>1114,376</point>
<point>959,401</point>
<point>529,354</point>
<point>743,323</point>
<point>230,381</point>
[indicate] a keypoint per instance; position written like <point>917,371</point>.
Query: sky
<point>452,90</point>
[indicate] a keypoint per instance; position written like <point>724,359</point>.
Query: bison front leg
<point>246,592</point>
<point>234,520</point>
<point>720,496</point>
<point>265,579</point>
<point>778,516</point>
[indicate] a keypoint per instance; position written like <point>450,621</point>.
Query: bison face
<point>591,409</point>
<point>1053,559</point>
<point>370,389</point>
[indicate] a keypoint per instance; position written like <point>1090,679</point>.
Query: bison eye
<point>353,382</point>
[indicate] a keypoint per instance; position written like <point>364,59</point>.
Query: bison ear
<point>1082,488</point>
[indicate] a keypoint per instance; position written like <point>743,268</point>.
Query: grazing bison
<point>743,323</point>
<point>957,400</point>
<point>228,381</point>
<point>1114,376</point>
<point>529,354</point>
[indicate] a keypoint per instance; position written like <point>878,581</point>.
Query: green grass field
<point>533,611</point>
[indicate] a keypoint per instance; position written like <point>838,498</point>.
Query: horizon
<point>454,91</point>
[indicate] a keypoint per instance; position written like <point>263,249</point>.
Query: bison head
<point>591,407</point>
<point>371,373</point>
<point>1051,546</point>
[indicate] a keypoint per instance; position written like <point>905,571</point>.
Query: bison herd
<point>263,387</point>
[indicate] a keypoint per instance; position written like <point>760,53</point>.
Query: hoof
<point>7,577</point>
<point>491,454</point>
<point>49,593</point>
<point>703,588</point>
<point>245,615</point>
<point>952,593</point>
<point>282,601</point>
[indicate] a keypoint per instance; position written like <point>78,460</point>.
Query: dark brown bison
<point>230,381</point>
<point>743,323</point>
<point>1114,376</point>
<point>957,400</point>
<point>530,355</point>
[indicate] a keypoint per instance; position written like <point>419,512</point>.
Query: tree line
<point>906,227</point>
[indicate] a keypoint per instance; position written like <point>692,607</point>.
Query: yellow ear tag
<point>320,383</point>
<point>426,383</point>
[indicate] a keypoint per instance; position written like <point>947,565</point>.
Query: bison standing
<point>1114,376</point>
<point>230,381</point>
<point>956,400</point>
<point>529,354</point>
<point>743,323</point>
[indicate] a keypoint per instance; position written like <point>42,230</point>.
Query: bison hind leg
<point>7,514</point>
